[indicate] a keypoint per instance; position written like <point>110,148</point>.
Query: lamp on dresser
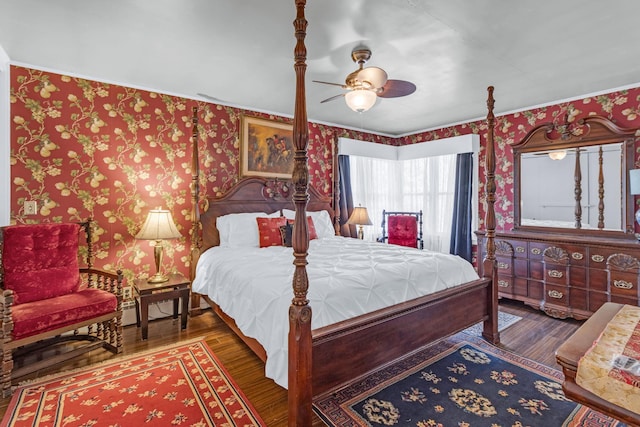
<point>158,226</point>
<point>634,189</point>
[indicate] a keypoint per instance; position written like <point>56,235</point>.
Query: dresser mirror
<point>574,178</point>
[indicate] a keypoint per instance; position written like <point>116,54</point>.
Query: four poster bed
<point>322,358</point>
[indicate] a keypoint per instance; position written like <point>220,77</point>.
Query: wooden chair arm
<point>6,302</point>
<point>105,280</point>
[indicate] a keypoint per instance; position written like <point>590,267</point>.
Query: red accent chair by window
<point>49,299</point>
<point>402,228</point>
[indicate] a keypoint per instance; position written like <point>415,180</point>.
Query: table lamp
<point>158,226</point>
<point>359,217</point>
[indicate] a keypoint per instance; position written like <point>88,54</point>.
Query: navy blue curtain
<point>462,213</point>
<point>345,201</point>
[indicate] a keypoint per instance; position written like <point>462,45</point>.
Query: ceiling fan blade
<point>329,83</point>
<point>397,88</point>
<point>332,98</point>
<point>377,77</point>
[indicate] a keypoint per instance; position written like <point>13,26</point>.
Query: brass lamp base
<point>360,232</point>
<point>158,278</point>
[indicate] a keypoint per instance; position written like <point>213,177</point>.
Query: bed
<point>321,359</point>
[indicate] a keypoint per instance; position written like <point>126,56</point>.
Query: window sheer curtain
<point>426,184</point>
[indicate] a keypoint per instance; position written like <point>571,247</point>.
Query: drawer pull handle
<point>555,273</point>
<point>622,284</point>
<point>503,265</point>
<point>555,294</point>
<point>520,249</point>
<point>536,251</point>
<point>503,283</point>
<point>597,258</point>
<point>577,255</point>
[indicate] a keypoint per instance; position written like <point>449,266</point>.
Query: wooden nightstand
<point>176,288</point>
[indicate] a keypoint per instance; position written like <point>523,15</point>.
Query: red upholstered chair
<point>402,228</point>
<point>49,299</point>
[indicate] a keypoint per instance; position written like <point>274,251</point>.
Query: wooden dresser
<point>565,275</point>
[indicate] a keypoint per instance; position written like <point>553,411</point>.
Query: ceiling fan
<point>366,84</point>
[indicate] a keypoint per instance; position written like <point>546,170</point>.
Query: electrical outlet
<point>127,293</point>
<point>128,304</point>
<point>30,207</point>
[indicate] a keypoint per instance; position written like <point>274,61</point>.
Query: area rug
<point>459,381</point>
<point>183,384</point>
<point>504,321</point>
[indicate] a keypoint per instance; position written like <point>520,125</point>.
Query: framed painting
<point>266,148</point>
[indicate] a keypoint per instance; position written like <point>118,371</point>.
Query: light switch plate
<point>30,207</point>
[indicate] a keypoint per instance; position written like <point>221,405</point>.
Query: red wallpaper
<point>84,149</point>
<point>88,149</point>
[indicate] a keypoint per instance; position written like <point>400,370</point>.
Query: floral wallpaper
<point>85,149</point>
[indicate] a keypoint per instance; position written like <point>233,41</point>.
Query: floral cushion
<point>40,261</point>
<point>41,316</point>
<point>403,230</point>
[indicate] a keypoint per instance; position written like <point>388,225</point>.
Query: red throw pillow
<point>41,261</point>
<point>313,234</point>
<point>269,231</point>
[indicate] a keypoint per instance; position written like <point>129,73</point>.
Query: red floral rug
<point>184,384</point>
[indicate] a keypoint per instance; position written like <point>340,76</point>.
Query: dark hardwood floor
<point>536,336</point>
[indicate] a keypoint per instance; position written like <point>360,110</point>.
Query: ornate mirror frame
<point>587,132</point>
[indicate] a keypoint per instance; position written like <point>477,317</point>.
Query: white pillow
<point>240,230</point>
<point>321,221</point>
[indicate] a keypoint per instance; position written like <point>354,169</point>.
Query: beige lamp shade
<point>158,226</point>
<point>359,217</point>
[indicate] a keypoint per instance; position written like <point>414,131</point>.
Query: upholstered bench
<point>571,352</point>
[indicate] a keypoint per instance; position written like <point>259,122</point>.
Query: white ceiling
<point>241,51</point>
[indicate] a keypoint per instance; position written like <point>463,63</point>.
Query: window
<point>410,178</point>
<point>425,184</point>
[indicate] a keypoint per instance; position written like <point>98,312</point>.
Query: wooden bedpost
<point>300,345</point>
<point>196,241</point>
<point>490,330</point>
<point>336,188</point>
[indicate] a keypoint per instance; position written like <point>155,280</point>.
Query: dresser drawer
<point>505,266</point>
<point>536,249</point>
<point>623,284</point>
<point>598,280</point>
<point>505,284</point>
<point>556,274</point>
<point>558,295</point>
<point>577,254</point>
<point>598,257</point>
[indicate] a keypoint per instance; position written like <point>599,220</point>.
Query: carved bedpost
<point>196,240</point>
<point>336,188</point>
<point>490,331</point>
<point>300,345</point>
<point>577,177</point>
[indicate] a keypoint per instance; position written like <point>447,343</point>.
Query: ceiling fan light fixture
<point>360,99</point>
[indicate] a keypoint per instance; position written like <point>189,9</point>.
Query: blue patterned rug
<point>459,381</point>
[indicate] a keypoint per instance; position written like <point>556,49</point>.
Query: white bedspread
<point>347,277</point>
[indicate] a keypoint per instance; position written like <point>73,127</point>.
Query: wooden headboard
<point>254,195</point>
